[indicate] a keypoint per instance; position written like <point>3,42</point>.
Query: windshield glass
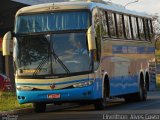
<point>51,54</point>
<point>54,21</point>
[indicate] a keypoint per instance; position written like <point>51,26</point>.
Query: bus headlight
<point>83,84</point>
<point>27,88</point>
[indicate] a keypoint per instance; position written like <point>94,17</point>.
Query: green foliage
<point>8,101</point>
<point>158,45</point>
<point>156,25</point>
<point>158,82</point>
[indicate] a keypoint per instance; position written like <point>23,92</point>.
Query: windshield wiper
<point>44,60</point>
<point>39,68</point>
<point>60,62</point>
<point>57,58</point>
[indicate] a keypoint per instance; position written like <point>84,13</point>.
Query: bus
<point>117,48</point>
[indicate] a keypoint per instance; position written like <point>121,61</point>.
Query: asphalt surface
<point>115,110</point>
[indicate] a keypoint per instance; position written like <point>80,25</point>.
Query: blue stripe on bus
<point>151,50</point>
<point>58,83</point>
<point>123,85</point>
<point>120,49</point>
<point>141,50</point>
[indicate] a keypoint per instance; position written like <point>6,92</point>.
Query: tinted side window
<point>120,25</point>
<point>150,29</point>
<point>97,27</point>
<point>104,27</point>
<point>141,29</point>
<point>146,29</point>
<point>111,22</point>
<point>127,27</point>
<point>134,27</point>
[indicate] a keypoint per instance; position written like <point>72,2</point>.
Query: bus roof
<point>79,5</point>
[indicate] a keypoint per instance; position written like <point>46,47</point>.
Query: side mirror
<point>6,43</point>
<point>91,38</point>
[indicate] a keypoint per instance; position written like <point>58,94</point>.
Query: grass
<point>8,101</point>
<point>158,82</point>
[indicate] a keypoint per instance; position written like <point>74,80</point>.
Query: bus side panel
<point>123,61</point>
<point>97,86</point>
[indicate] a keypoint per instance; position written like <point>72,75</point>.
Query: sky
<point>148,6</point>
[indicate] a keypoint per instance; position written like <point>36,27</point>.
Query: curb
<point>31,110</point>
<point>17,111</point>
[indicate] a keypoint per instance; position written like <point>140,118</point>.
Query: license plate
<point>51,96</point>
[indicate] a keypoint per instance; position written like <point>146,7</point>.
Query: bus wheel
<point>39,107</point>
<point>129,98</point>
<point>142,94</point>
<point>100,104</point>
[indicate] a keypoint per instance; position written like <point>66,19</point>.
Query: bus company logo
<point>52,86</point>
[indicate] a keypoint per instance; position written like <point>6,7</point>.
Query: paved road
<point>118,109</point>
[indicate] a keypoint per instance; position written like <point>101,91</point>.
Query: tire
<point>142,94</point>
<point>100,104</point>
<point>39,107</point>
<point>130,98</point>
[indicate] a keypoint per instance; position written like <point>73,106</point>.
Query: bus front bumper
<point>68,95</point>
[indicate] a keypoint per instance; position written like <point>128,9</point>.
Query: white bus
<point>80,52</point>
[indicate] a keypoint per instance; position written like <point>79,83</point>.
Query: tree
<point>156,25</point>
<point>156,30</point>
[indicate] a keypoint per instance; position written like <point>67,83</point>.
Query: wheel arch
<point>106,83</point>
<point>147,79</point>
<point>141,78</point>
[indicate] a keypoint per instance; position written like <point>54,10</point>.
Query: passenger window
<point>104,27</point>
<point>97,27</point>
<point>146,29</point>
<point>111,23</point>
<point>134,28</point>
<point>120,26</point>
<point>127,27</point>
<point>141,29</point>
<point>150,29</point>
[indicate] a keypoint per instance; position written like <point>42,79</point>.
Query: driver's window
<point>78,42</point>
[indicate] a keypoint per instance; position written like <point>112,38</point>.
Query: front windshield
<point>53,21</point>
<point>51,54</point>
